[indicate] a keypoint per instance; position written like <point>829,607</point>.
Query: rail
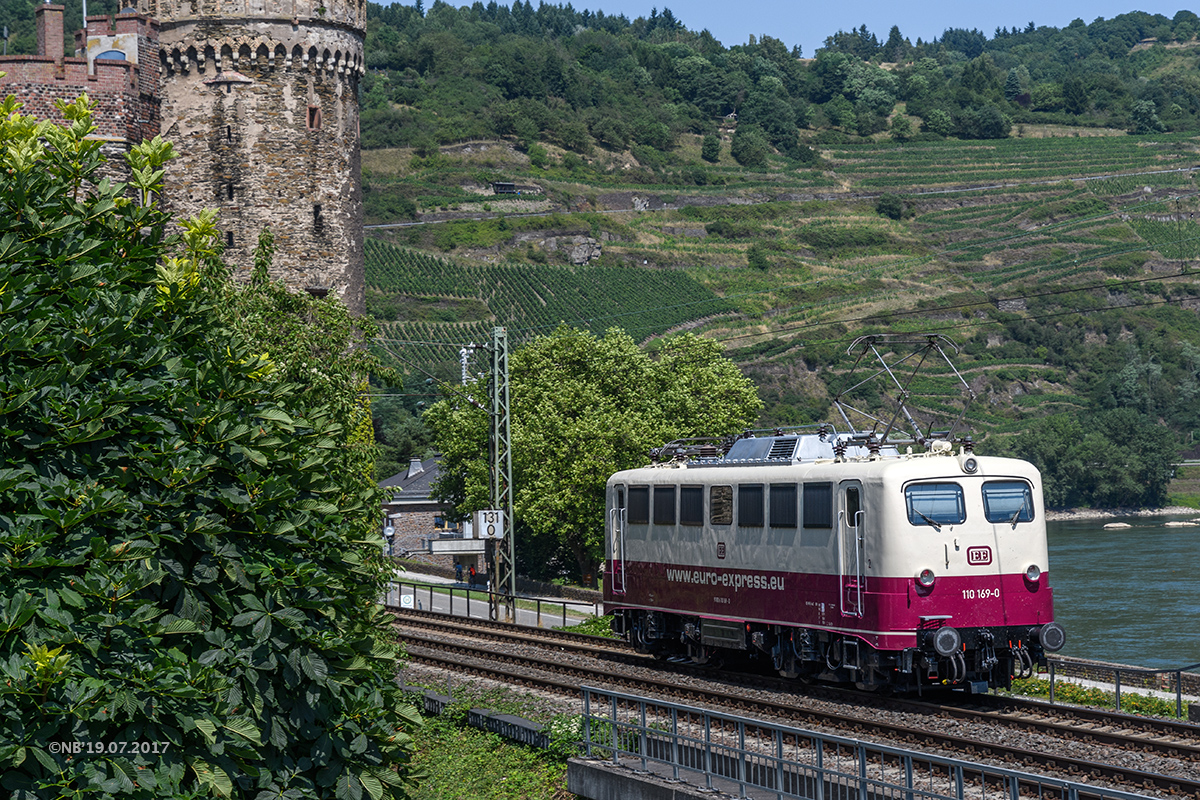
<point>726,751</point>
<point>441,597</point>
<point>1155,680</point>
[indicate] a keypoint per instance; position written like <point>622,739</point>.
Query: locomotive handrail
<point>618,530</point>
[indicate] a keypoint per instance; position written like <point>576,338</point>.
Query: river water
<point>1129,595</point>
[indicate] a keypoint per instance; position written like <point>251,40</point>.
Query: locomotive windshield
<point>1007,501</point>
<point>935,504</point>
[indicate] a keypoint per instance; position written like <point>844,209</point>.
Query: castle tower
<point>260,99</point>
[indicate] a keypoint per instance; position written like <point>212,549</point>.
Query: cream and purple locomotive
<point>837,558</point>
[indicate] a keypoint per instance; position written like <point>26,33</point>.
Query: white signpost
<point>489,524</point>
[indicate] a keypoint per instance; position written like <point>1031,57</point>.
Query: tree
<point>1075,97</point>
<point>938,121</point>
<point>749,147</point>
<point>1145,118</point>
<point>1117,458</point>
<point>983,123</point>
<point>896,47</point>
<point>901,128</point>
<point>710,148</point>
<point>1012,85</point>
<point>584,407</point>
<point>890,206</point>
<point>183,562</point>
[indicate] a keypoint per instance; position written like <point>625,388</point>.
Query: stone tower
<point>260,99</point>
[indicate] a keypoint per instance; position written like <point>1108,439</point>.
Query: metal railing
<point>1157,680</point>
<point>729,753</point>
<point>405,594</point>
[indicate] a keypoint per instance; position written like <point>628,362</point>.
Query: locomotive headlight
<point>947,641</point>
<point>970,466</point>
<point>1032,573</point>
<point>926,578</point>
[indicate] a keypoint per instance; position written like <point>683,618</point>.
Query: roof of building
<point>414,483</point>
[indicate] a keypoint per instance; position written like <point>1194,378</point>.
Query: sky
<point>808,23</point>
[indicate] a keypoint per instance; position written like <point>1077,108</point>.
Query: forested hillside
<point>1030,195</point>
<point>583,79</point>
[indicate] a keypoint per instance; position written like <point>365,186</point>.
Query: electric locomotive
<point>837,557</point>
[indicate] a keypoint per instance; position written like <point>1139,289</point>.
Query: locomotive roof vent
<point>782,448</point>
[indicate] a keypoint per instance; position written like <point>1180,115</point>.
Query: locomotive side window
<point>783,505</point>
<point>664,505</point>
<point>639,505</point>
<point>818,505</point>
<point>720,505</point>
<point>750,505</point>
<point>1007,501</point>
<point>691,505</point>
<point>935,504</point>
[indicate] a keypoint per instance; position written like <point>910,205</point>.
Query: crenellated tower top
<point>347,13</point>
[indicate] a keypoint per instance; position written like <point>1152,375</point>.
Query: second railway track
<point>1126,752</point>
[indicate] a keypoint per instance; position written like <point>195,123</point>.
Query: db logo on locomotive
<point>979,556</point>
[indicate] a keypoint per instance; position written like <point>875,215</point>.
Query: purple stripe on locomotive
<point>892,607</point>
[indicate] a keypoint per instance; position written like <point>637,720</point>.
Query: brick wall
<point>125,94</point>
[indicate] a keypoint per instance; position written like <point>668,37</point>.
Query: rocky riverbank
<point>1064,515</point>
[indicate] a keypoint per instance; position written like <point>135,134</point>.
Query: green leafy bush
<point>187,578</point>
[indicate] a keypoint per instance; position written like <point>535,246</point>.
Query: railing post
<point>819,743</point>
<point>674,743</point>
<point>862,772</point>
<point>708,751</point>
<point>643,739</point>
<point>742,757</point>
<point>1051,663</point>
<point>779,772</point>
<point>1117,672</point>
<point>1179,693</point>
<point>587,710</point>
<point>615,737</point>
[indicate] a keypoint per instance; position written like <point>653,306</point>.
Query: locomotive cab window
<point>1007,501</point>
<point>750,505</point>
<point>720,505</point>
<point>691,505</point>
<point>818,505</point>
<point>935,504</point>
<point>639,505</point>
<point>664,505</point>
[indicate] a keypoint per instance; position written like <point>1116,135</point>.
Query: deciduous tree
<point>584,407</point>
<point>186,579</point>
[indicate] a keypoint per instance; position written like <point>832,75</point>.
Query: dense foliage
<point>584,79</point>
<point>187,584</point>
<point>1111,459</point>
<point>584,407</point>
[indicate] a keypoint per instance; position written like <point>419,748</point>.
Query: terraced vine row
<point>531,299</point>
<point>921,164</point>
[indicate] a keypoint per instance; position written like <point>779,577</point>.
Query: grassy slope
<point>984,222</point>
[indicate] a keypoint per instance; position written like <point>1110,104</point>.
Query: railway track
<point>1126,752</point>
